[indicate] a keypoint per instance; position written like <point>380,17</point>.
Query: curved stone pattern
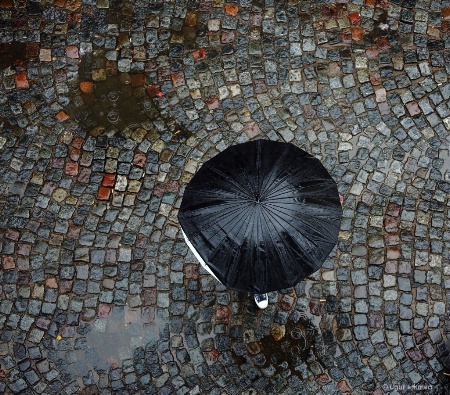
<point>98,291</point>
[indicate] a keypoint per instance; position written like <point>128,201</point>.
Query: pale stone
<point>295,75</point>
<point>158,146</point>
<point>380,95</point>
<point>121,183</point>
<point>389,280</point>
<point>223,92</point>
<point>278,332</point>
<point>45,55</point>
<point>214,25</point>
<point>390,295</point>
<point>329,275</point>
<point>59,194</point>
<point>134,186</point>
<point>235,90</point>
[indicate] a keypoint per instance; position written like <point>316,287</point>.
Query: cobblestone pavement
<point>108,108</point>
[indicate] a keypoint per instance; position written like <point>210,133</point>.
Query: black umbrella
<point>262,215</point>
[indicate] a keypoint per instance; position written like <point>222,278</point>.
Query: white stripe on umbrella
<point>199,258</point>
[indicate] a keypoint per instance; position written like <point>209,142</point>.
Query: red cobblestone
<point>212,103</point>
<point>199,54</point>
<point>22,81</point>
<point>343,387</point>
<point>316,307</point>
<point>391,267</point>
<point>392,240</point>
<point>445,13</point>
<point>51,283</point>
<point>357,33</point>
<point>111,256</point>
<point>62,116</point>
<point>109,180</point>
<point>24,277</point>
<point>141,241</point>
<point>71,168</point>
<point>58,163</point>
<point>8,262</point>
<point>231,9</point>
<point>420,337</point>
<point>77,142</point>
<point>354,18</point>
<point>286,302</point>
<point>383,43</point>
<point>376,320</point>
<point>103,310</point>
<point>72,52</point>
<point>222,314</point>
<point>104,193</point>
<point>346,36</point>
<point>211,356</point>
<point>191,271</point>
<point>139,159</point>
<point>375,79</point>
<point>75,154</point>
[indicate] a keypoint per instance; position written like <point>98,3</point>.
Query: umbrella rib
<point>274,168</point>
<point>314,242</point>
<point>327,184</point>
<point>313,219</point>
<point>229,266</point>
<point>275,184</point>
<point>242,174</point>
<point>227,177</point>
<point>279,253</point>
<point>193,212</point>
<point>324,206</point>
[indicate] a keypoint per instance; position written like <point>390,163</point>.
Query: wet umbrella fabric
<point>261,215</point>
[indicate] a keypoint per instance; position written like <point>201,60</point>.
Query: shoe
<point>262,300</point>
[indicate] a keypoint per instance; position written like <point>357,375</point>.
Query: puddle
<point>12,55</point>
<point>106,342</point>
<point>306,337</point>
<point>301,340</point>
<point>109,106</point>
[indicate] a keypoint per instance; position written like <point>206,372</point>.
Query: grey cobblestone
<point>363,89</point>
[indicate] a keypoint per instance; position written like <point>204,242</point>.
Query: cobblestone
<point>107,111</point>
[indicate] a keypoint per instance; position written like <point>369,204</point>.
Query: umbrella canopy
<point>262,215</point>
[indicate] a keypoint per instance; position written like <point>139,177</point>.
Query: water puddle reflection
<point>106,342</point>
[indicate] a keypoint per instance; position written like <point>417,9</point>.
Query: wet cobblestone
<point>107,110</point>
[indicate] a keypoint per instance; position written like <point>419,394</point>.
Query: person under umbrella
<point>261,216</point>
